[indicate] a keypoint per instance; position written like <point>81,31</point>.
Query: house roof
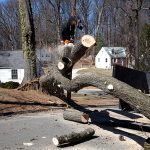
<point>12,59</point>
<point>116,52</point>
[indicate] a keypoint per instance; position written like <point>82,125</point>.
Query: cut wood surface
<point>77,116</point>
<point>73,137</point>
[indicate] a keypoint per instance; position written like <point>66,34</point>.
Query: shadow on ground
<point>103,120</point>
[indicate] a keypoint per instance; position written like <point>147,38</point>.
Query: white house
<point>107,56</point>
<point>12,66</point>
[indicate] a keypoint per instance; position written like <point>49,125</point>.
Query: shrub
<point>9,85</point>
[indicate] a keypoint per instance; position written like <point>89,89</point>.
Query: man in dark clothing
<point>68,31</point>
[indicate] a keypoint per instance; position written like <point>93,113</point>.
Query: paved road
<point>97,92</point>
<point>35,132</point>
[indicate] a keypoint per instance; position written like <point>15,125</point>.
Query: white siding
<point>100,60</point>
<point>5,75</point>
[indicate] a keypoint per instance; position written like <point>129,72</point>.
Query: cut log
<point>77,116</point>
<point>73,137</point>
<point>72,54</point>
<point>86,42</point>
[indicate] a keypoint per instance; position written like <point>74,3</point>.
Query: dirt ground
<point>14,101</point>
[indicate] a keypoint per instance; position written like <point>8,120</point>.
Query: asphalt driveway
<point>35,132</point>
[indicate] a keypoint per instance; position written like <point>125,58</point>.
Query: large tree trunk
<point>137,100</point>
<point>68,55</point>
<point>28,39</point>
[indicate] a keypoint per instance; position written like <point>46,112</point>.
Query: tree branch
<point>137,100</point>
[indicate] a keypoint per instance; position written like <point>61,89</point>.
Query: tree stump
<point>73,137</point>
<point>76,116</point>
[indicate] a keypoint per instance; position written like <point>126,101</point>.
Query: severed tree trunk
<point>56,81</point>
<point>70,54</point>
<point>76,116</point>
<point>137,100</point>
<point>73,137</point>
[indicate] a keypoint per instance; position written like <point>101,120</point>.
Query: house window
<point>98,59</point>
<point>106,60</point>
<point>14,74</point>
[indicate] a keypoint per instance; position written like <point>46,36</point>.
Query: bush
<point>9,85</point>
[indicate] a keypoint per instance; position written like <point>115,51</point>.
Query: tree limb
<point>137,100</point>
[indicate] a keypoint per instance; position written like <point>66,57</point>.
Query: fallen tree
<point>136,99</point>
<point>57,79</point>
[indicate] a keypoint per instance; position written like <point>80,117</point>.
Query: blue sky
<point>3,0</point>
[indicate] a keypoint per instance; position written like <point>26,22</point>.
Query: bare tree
<point>73,7</point>
<point>58,20</point>
<point>99,21</point>
<point>9,26</point>
<point>134,8</point>
<point>84,13</point>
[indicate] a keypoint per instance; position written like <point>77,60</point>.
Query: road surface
<point>35,132</point>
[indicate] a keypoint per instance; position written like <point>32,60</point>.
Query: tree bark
<point>73,8</point>
<point>70,54</point>
<point>28,39</point>
<point>76,116</point>
<point>58,20</point>
<point>137,100</point>
<point>73,137</point>
<point>56,81</point>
